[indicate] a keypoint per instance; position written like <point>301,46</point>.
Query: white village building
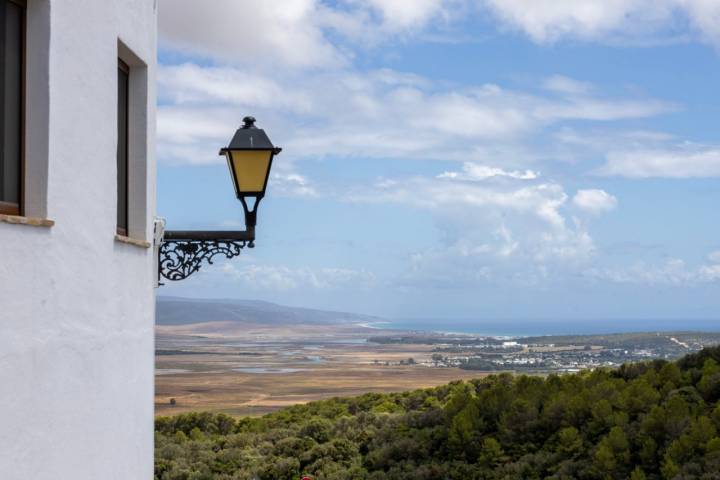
<point>77,201</point>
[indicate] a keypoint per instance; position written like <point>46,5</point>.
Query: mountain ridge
<point>171,310</point>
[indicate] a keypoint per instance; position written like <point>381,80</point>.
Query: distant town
<point>547,354</point>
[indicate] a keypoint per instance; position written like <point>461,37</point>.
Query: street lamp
<point>249,156</point>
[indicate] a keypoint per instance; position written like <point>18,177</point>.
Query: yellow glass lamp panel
<point>251,168</point>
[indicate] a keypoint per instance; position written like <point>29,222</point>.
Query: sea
<point>531,328</point>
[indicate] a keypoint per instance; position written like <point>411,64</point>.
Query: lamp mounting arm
<point>182,252</point>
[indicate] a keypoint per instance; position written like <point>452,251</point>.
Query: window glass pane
<point>11,52</point>
<point>122,150</point>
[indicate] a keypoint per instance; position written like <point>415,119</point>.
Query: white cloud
<point>474,172</point>
<point>505,230</point>
<point>317,34</point>
<point>191,84</point>
<point>594,201</point>
<point>549,20</point>
<point>629,21</point>
<point>600,142</point>
<point>641,153</point>
<point>408,14</point>
<point>508,254</point>
<point>683,161</point>
<point>563,84</point>
<point>673,272</point>
<point>587,108</point>
<point>709,273</point>
<point>289,32</point>
<point>704,15</point>
<point>298,34</point>
<point>283,278</point>
<point>377,114</point>
<point>714,257</point>
<point>445,192</point>
<point>380,114</point>
<point>292,184</point>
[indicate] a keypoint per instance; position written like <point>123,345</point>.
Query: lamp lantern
<point>249,156</point>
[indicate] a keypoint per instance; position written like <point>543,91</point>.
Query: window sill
<point>132,241</point>
<point>30,221</point>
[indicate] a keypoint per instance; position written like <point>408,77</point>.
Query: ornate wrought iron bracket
<point>182,253</point>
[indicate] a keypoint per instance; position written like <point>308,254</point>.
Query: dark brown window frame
<point>123,229</point>
<point>9,208</point>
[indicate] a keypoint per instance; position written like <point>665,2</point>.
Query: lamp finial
<point>249,122</point>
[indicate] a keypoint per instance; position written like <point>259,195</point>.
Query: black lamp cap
<point>249,137</point>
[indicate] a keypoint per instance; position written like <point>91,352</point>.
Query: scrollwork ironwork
<point>181,258</point>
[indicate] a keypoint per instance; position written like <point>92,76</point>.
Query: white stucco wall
<point>77,306</point>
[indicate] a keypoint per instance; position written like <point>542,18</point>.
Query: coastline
<point>540,328</point>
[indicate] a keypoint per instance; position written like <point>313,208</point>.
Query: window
<point>133,119</point>
<point>122,148</point>
<point>12,52</point>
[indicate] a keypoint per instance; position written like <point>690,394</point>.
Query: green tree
<point>612,455</point>
<point>638,474</point>
<point>669,469</point>
<point>317,429</point>
<point>465,429</point>
<point>709,384</point>
<point>569,442</point>
<point>280,469</point>
<point>670,372</point>
<point>180,437</point>
<point>491,453</point>
<point>197,434</point>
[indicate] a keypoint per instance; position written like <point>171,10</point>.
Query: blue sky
<point>480,159</point>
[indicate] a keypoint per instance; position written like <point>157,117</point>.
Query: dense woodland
<point>655,420</point>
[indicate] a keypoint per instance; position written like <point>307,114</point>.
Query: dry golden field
<point>256,369</point>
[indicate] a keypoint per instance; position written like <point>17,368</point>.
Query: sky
<point>467,159</point>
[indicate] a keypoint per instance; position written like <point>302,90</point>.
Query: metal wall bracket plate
<point>181,258</point>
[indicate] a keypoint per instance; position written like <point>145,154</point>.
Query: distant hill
<point>185,311</point>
